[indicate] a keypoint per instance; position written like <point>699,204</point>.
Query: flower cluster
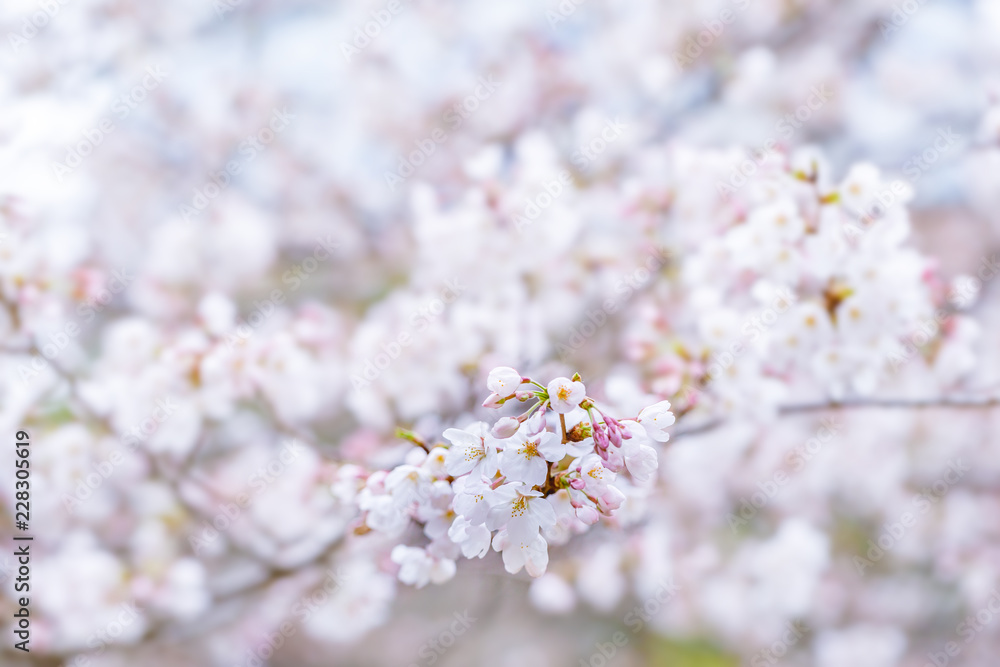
<point>653,218</point>
<point>806,288</point>
<point>528,481</point>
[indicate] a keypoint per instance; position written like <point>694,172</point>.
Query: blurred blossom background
<point>242,241</point>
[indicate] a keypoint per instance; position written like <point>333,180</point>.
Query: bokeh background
<point>216,217</point>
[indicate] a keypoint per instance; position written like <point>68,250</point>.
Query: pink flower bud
<point>494,400</point>
<point>577,483</point>
<point>611,499</point>
<point>504,381</point>
<point>506,427</point>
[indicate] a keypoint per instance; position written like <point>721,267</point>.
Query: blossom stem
<point>523,418</point>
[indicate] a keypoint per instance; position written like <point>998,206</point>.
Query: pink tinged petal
<point>473,506</point>
<point>490,463</point>
<point>551,448</point>
<point>500,541</point>
<point>538,471</point>
<point>587,515</point>
<point>477,545</point>
<point>522,527</point>
<point>542,512</point>
<point>615,462</point>
<point>536,557</point>
<point>611,500</point>
<point>459,530</point>
<point>513,557</point>
<point>506,493</point>
<point>520,465</point>
<point>643,464</point>
<point>531,554</point>
<point>459,438</point>
<point>461,460</point>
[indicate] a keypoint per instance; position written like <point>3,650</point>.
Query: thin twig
<point>951,403</point>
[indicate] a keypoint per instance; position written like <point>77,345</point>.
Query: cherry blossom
<point>528,459</point>
<point>783,262</point>
<point>565,395</point>
<point>504,381</point>
<point>473,451</point>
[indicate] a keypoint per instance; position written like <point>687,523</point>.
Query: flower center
<point>520,505</point>
<point>531,450</point>
<point>563,393</point>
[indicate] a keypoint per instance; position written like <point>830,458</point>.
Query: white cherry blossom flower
<point>521,510</point>
<point>474,540</point>
<point>656,419</point>
<point>473,451</point>
<point>565,394</point>
<point>408,484</point>
<point>594,475</point>
<point>503,381</point>
<point>638,456</point>
<point>526,551</point>
<point>610,500</point>
<point>418,568</point>
<point>473,498</point>
<point>526,458</point>
<point>435,463</point>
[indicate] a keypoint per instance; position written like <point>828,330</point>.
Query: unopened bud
<point>506,427</point>
<point>494,400</point>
